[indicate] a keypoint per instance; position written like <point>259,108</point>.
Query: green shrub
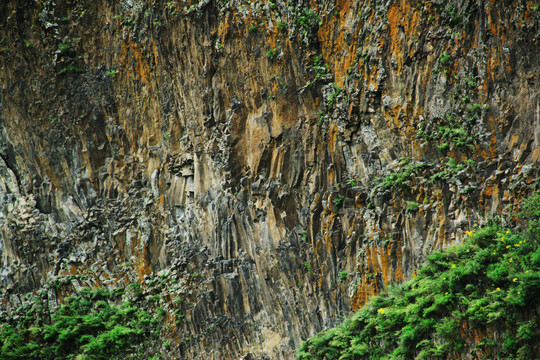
<point>87,326</point>
<point>308,19</point>
<point>64,47</point>
<point>271,54</point>
<point>412,206</point>
<point>343,275</point>
<point>490,280</point>
<point>338,199</point>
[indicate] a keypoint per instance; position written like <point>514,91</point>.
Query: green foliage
<point>271,54</point>
<point>530,211</point>
<point>321,70</point>
<point>308,19</point>
<point>64,47</point>
<point>399,180</point>
<point>443,147</point>
<point>338,200</point>
<point>343,275</point>
<point>71,68</point>
<point>474,108</point>
<point>445,59</point>
<point>491,280</point>
<point>453,132</point>
<point>135,288</point>
<point>412,206</point>
<point>332,98</point>
<point>451,169</point>
<point>87,326</point>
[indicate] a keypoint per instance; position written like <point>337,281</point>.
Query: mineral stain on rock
<point>260,169</point>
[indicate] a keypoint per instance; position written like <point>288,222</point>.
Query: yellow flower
<point>467,250</point>
<point>381,311</point>
<point>469,233</point>
<point>516,245</point>
<point>444,278</point>
<point>508,246</point>
<point>510,260</point>
<point>453,266</point>
<point>508,231</point>
<point>446,293</point>
<point>526,271</point>
<point>519,292</point>
<point>514,279</point>
<point>498,289</point>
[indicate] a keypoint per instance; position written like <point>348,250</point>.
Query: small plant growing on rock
<point>64,47</point>
<point>412,206</point>
<point>271,54</point>
<point>308,19</point>
<point>338,200</point>
<point>445,59</point>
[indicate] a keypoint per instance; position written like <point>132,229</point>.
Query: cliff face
<point>271,164</point>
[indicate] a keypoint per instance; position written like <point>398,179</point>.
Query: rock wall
<point>270,165</point>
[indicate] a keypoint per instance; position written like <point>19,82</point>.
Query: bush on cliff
<point>87,326</point>
<point>480,297</point>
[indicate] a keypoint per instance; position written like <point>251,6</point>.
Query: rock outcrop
<point>271,164</point>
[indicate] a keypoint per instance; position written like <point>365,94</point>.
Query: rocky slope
<point>270,165</point>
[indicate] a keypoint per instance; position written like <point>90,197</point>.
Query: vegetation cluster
<point>479,297</point>
<point>88,325</point>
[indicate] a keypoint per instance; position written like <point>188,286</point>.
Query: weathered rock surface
<point>207,152</point>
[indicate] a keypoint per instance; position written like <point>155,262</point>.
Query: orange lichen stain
<point>493,145</point>
<point>333,132</point>
<point>73,270</point>
<point>327,227</point>
<point>162,200</point>
<point>331,176</point>
<point>513,140</point>
<point>535,156</point>
<point>143,268</point>
<point>223,29</point>
<point>493,24</point>
<point>358,201</point>
<point>337,50</point>
<point>141,68</point>
<point>392,113</point>
<point>493,62</point>
<point>384,264</point>
<point>397,15</point>
<point>366,290</point>
<point>494,192</point>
